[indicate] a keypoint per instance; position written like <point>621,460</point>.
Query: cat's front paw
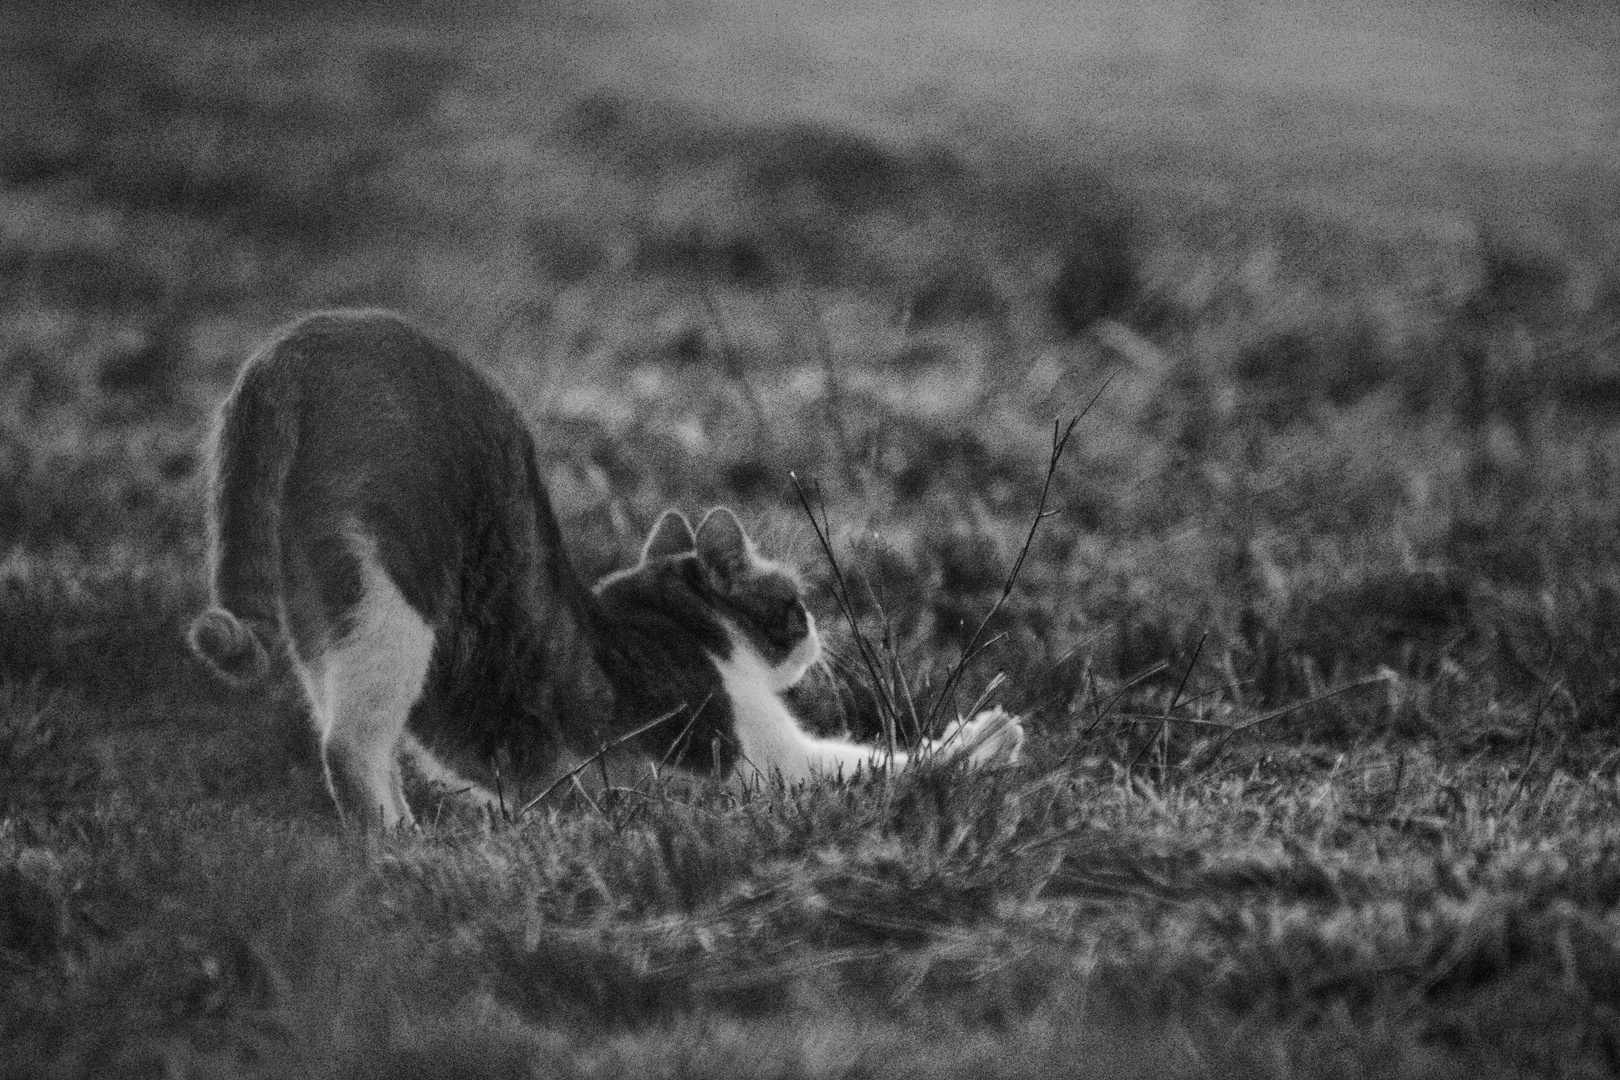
<point>995,735</point>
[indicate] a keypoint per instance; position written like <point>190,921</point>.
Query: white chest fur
<point>769,737</point>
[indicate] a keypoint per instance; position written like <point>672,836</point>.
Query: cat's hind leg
<point>369,679</point>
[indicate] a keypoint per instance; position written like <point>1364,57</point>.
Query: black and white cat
<point>376,506</point>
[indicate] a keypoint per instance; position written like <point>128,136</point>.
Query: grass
<point>1358,336</point>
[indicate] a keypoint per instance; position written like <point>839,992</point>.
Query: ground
<point>1315,618</point>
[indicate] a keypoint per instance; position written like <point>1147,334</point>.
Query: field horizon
<point>1319,647</point>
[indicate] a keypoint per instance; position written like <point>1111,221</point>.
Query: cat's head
<point>759,600</point>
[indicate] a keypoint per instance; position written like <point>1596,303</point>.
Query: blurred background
<point>1350,273</point>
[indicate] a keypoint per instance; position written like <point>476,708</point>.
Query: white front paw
<point>993,735</point>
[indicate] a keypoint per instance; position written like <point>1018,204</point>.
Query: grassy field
<point>1320,646</point>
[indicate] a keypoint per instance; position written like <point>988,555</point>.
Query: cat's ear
<point>722,545</point>
<point>671,536</point>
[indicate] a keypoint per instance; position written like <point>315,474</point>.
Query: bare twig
<point>841,596</point>
<point>910,698</point>
<point>984,695</point>
<point>573,778</point>
<point>675,746</point>
<point>1060,441</point>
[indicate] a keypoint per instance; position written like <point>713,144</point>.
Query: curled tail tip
<point>229,646</point>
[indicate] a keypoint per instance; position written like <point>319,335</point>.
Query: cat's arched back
<point>377,506</point>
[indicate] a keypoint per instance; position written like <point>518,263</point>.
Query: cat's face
<point>759,600</point>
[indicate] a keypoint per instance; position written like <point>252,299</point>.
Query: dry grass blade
<point>1101,710</point>
<point>1531,746</point>
<point>572,775</point>
<point>677,745</point>
<point>1175,699</point>
<point>1159,718</point>
<point>979,738</point>
<point>897,688</point>
<point>1277,714</point>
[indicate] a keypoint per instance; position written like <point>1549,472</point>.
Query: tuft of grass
<point>43,765</point>
<point>112,633</point>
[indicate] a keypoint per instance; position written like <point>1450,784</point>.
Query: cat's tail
<point>253,453</point>
<point>231,647</point>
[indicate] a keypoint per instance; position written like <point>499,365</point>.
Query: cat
<point>376,508</point>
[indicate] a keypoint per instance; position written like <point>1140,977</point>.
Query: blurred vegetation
<point>1349,285</point>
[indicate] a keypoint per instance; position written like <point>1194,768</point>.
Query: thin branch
<point>1059,443</point>
<point>841,595</point>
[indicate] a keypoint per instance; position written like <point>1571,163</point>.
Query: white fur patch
<point>769,738</point>
<point>361,692</point>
